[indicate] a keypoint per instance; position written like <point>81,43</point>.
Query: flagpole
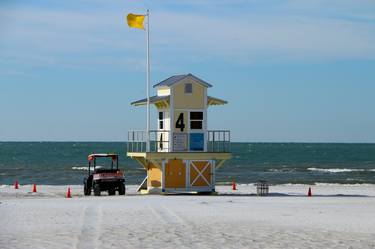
<point>148,82</point>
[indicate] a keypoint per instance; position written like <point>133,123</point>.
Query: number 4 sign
<point>180,121</point>
<point>180,124</point>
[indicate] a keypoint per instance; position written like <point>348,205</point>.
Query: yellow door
<point>200,173</point>
<point>153,176</point>
<point>175,174</point>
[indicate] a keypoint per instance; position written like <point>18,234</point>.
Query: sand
<point>337,216</point>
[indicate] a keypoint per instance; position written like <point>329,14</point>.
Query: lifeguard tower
<point>183,154</point>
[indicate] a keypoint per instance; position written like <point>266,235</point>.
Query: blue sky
<point>292,71</point>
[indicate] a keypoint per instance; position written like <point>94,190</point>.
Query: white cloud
<point>64,31</point>
<point>264,36</point>
<point>43,37</point>
<point>100,37</point>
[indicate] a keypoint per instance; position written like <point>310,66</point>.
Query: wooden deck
<point>157,157</point>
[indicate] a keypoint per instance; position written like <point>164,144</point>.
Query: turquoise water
<point>64,163</point>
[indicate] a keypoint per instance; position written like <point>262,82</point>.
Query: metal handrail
<point>137,140</point>
<point>217,141</point>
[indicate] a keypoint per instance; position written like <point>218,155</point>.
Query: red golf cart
<point>104,178</point>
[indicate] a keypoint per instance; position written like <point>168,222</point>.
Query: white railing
<point>217,141</point>
<point>159,141</point>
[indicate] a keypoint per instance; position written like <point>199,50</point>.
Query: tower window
<point>188,88</point>
<point>196,115</point>
<point>196,120</point>
<point>161,120</point>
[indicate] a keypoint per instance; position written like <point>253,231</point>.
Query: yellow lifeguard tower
<point>183,154</point>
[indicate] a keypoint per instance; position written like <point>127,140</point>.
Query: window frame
<point>196,120</point>
<point>161,121</point>
<point>186,87</point>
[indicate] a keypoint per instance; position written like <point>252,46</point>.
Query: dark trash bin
<point>262,188</point>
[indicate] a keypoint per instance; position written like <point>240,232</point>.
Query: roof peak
<point>177,78</point>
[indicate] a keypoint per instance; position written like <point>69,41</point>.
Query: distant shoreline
<point>51,141</point>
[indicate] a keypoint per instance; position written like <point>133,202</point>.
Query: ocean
<point>65,163</point>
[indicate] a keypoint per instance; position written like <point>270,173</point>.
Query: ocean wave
<point>337,170</point>
<point>353,179</point>
<point>80,168</point>
<point>284,170</point>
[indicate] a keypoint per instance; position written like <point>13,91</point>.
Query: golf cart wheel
<point>121,189</point>
<point>97,190</point>
<point>111,192</point>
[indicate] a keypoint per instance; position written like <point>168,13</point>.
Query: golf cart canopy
<point>92,156</point>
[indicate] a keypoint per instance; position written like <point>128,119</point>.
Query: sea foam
<point>337,170</point>
<point>80,168</point>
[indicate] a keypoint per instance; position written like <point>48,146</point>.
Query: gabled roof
<point>161,100</point>
<point>177,78</point>
<point>216,101</point>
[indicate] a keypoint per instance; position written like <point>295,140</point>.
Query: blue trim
<point>196,141</point>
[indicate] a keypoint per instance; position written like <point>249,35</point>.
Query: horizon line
<point>114,141</point>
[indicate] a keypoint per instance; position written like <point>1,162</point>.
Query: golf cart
<point>101,178</point>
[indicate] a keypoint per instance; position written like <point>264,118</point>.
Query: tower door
<point>201,174</point>
<point>175,174</point>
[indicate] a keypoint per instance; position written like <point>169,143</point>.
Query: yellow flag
<point>135,21</point>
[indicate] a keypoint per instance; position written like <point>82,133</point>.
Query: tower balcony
<point>162,141</point>
<point>211,145</point>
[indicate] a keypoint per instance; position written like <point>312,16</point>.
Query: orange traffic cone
<point>34,188</point>
<point>309,194</point>
<point>68,194</point>
<point>16,185</point>
<point>234,185</point>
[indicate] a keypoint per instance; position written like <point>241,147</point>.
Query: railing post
<point>213,141</point>
<point>229,148</point>
<point>132,141</point>
<point>221,141</point>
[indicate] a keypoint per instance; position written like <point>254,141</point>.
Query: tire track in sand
<point>173,216</point>
<point>90,230</point>
<point>175,225</point>
<point>157,215</point>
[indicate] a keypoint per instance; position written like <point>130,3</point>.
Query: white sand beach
<point>337,216</point>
